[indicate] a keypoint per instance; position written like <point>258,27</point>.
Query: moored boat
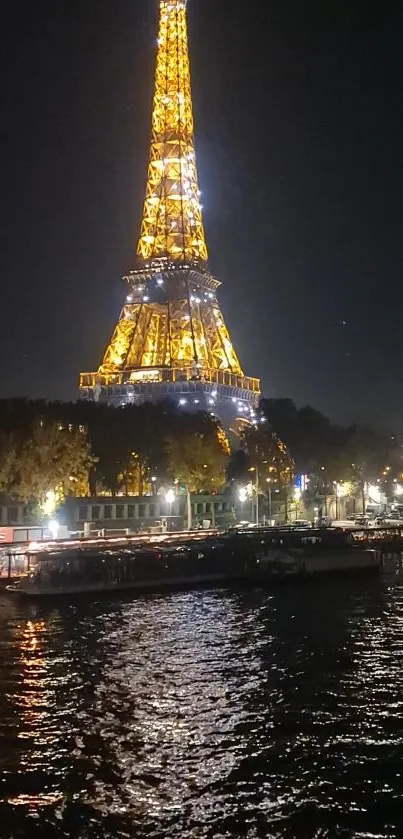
<point>139,568</point>
<point>258,558</point>
<point>313,553</point>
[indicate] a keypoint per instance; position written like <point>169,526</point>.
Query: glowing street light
<point>342,489</point>
<point>243,494</point>
<point>374,493</point>
<point>398,489</point>
<point>49,504</point>
<point>54,528</point>
<point>170,498</point>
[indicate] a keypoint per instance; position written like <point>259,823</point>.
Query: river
<point>215,713</point>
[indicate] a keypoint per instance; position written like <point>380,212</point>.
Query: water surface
<point>222,713</point>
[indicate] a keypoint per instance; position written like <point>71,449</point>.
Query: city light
<point>342,488</point>
<point>398,489</point>
<point>170,498</point>
<point>54,528</point>
<point>50,503</point>
<point>374,493</point>
<point>243,494</point>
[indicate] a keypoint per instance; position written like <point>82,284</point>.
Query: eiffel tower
<point>171,339</point>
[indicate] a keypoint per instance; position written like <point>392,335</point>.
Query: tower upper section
<point>172,225</point>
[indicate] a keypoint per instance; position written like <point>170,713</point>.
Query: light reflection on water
<point>204,714</point>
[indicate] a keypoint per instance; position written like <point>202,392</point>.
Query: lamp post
<point>269,496</point>
<point>336,495</point>
<point>256,470</point>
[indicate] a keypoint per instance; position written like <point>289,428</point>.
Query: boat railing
<point>18,559</point>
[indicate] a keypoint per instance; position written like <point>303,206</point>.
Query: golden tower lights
<point>171,338</point>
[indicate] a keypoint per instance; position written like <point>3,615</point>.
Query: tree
<point>8,464</point>
<point>269,454</point>
<point>282,416</point>
<point>196,455</point>
<point>307,433</point>
<point>238,467</point>
<point>272,459</point>
<point>198,460</point>
<point>54,458</point>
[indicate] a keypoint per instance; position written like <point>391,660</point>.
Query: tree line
<point>304,441</point>
<point>85,448</point>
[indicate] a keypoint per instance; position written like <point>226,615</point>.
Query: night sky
<point>299,137</point>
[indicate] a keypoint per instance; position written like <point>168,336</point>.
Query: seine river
<point>218,713</point>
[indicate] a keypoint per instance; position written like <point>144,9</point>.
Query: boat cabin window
<point>131,511</point>
<point>120,511</point>
<point>95,512</point>
<point>107,511</point>
<point>314,539</point>
<point>83,512</point>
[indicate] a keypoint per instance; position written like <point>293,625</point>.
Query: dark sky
<point>299,137</point>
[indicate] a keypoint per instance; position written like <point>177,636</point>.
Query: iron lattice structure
<point>172,221</point>
<point>171,338</point>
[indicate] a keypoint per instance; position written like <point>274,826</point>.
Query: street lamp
<point>170,498</point>
<point>242,494</point>
<point>268,480</point>
<point>256,470</point>
<point>341,490</point>
<point>50,503</point>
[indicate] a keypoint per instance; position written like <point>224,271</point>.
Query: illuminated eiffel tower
<point>171,339</point>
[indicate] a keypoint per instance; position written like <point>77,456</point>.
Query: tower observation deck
<point>171,339</point>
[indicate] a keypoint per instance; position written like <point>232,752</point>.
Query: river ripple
<point>196,714</point>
